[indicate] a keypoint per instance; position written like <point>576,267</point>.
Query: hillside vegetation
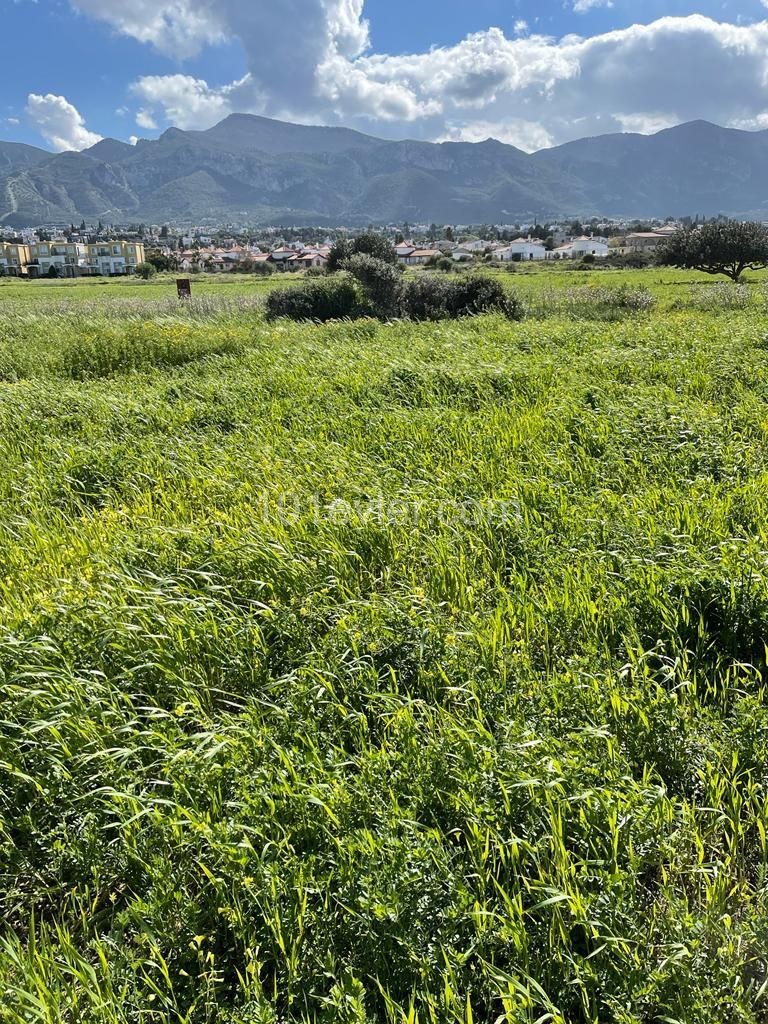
<point>376,672</point>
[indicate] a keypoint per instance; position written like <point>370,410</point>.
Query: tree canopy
<point>368,244</point>
<point>718,248</point>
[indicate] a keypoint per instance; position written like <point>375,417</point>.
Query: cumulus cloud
<point>60,123</point>
<point>187,102</point>
<point>311,61</point>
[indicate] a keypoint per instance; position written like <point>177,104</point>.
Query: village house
<point>417,257</point>
<point>645,241</point>
<point>475,246</point>
<point>404,250</point>
<point>522,250</point>
<point>281,256</point>
<point>589,246</point>
<point>305,260</point>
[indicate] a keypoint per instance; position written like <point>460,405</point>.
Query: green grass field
<point>665,283</point>
<point>384,672</point>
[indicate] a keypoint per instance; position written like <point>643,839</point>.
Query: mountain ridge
<point>254,169</point>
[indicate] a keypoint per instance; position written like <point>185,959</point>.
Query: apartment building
<point>67,258</point>
<point>114,257</point>
<point>14,258</point>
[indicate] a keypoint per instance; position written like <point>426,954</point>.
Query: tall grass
<point>401,673</point>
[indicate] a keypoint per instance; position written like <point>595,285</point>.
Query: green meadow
<point>399,673</point>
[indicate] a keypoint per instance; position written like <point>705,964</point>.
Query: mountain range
<point>257,170</point>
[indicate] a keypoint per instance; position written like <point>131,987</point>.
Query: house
<point>305,260</point>
<point>281,256</point>
<point>588,246</point>
<point>14,257</point>
<point>522,250</point>
<point>476,246</point>
<point>462,255</point>
<point>645,241</point>
<point>418,257</point>
<point>67,258</point>
<point>114,257</point>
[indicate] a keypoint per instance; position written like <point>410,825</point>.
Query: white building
<point>522,250</point>
<point>588,246</point>
<point>476,246</point>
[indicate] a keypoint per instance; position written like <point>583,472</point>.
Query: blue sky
<point>532,72</point>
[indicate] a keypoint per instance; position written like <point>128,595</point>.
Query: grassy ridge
<point>383,672</point>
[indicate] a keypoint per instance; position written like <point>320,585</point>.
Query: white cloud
<point>582,6</point>
<point>145,120</point>
<point>187,102</point>
<point>60,124</point>
<point>310,60</point>
<point>133,139</point>
<point>527,135</point>
<point>646,124</point>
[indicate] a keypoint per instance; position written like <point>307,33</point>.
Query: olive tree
<point>718,248</point>
<point>368,244</point>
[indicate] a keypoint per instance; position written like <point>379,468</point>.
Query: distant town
<point>118,250</point>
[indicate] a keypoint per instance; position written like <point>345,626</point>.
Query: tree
<point>372,244</point>
<point>145,271</point>
<point>159,260</point>
<point>341,251</point>
<point>368,244</point>
<point>718,248</point>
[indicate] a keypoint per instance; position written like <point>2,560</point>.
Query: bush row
<point>368,287</point>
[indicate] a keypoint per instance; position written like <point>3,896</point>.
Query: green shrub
<point>435,298</point>
<point>382,284</point>
<point>146,270</point>
<point>629,261</point>
<point>476,293</point>
<point>329,298</point>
